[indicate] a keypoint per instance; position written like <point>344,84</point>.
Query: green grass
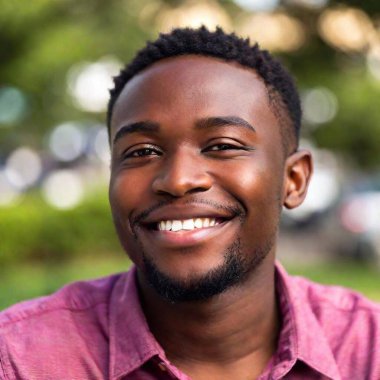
<point>31,280</point>
<point>364,278</point>
<point>20,282</point>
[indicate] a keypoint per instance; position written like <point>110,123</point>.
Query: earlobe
<point>298,170</point>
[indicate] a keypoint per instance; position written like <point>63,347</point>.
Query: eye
<point>218,147</point>
<point>228,149</point>
<point>142,152</point>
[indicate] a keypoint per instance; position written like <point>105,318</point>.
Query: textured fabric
<point>97,330</point>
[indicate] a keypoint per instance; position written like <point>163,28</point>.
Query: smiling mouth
<point>181,233</point>
<point>187,224</point>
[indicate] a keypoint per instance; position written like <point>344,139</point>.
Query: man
<point>204,136</point>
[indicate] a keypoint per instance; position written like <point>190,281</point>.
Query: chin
<point>202,286</point>
<point>194,287</point>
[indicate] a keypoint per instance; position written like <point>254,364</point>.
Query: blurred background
<point>57,59</point>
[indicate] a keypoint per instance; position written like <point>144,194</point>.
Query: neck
<point>240,323</point>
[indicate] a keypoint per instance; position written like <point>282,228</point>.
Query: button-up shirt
<point>97,330</point>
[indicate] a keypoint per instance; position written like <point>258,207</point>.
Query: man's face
<point>197,172</point>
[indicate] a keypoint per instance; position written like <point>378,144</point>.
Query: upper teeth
<point>188,224</point>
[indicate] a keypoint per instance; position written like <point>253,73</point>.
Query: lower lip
<point>186,238</point>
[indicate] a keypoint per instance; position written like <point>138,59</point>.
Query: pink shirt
<point>97,330</point>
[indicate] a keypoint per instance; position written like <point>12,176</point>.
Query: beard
<point>233,271</point>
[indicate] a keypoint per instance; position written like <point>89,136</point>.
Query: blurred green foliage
<point>41,40</point>
<point>31,279</point>
<point>34,278</point>
<point>361,277</point>
<point>36,231</point>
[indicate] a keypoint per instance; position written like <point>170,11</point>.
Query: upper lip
<point>183,212</point>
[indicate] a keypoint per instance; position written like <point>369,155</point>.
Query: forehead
<point>189,87</point>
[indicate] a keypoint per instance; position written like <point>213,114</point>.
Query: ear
<point>298,170</point>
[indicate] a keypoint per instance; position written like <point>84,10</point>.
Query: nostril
<point>198,189</point>
<point>179,189</point>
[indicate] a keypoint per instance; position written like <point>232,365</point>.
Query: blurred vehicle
<point>353,225</point>
<point>339,217</point>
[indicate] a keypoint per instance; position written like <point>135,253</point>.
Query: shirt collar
<point>301,337</point>
<point>131,342</point>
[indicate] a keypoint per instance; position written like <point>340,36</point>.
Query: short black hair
<point>283,94</point>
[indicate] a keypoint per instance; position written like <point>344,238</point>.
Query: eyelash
<point>138,153</point>
<point>229,147</point>
<point>135,153</point>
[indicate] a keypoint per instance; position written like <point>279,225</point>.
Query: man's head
<point>203,139</point>
<point>282,91</point>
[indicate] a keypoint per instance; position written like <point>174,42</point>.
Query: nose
<point>182,174</point>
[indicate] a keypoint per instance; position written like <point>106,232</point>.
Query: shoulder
<point>325,301</point>
<point>347,321</point>
<point>58,327</point>
<point>75,297</point>
<point>335,300</point>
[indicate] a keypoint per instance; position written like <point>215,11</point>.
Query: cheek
<point>258,188</point>
<point>127,192</point>
<point>253,184</point>
<point>125,196</point>
<point>120,201</point>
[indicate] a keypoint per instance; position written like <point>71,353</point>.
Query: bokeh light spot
<point>9,196</point>
<point>274,31</point>
<point>67,142</point>
<point>101,146</point>
<point>258,5</point>
<point>320,105</point>
<point>63,189</point>
<point>23,168</point>
<point>12,105</point>
<point>373,61</point>
<point>89,83</point>
<point>194,14</point>
<point>347,29</point>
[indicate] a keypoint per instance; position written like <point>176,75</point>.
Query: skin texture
<point>200,156</point>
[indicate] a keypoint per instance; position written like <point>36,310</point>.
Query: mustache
<point>235,209</point>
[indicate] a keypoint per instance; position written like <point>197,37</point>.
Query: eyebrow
<point>208,122</point>
<point>222,121</point>
<point>140,126</point>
